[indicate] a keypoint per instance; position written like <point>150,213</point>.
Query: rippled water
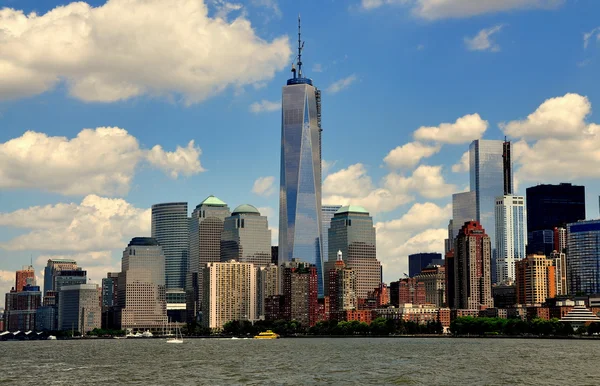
<point>394,361</point>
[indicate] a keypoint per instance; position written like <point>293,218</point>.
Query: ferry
<point>266,335</point>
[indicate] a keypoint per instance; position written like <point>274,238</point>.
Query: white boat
<point>178,338</point>
<point>51,337</point>
<point>147,334</point>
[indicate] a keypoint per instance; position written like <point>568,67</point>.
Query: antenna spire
<point>300,47</point>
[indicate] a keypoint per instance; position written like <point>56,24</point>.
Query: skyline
<point>450,78</point>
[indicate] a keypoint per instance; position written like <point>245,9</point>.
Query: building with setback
<point>433,278</point>
<point>353,234</point>
<point>300,190</point>
<point>418,261</point>
<point>471,282</point>
<point>327,212</point>
<point>246,237</point>
<point>52,267</point>
<point>79,308</point>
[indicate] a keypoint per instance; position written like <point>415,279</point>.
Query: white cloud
<point>264,186</point>
<point>183,160</point>
<point>559,117</point>
<point>326,166</point>
<point>482,41</point>
<point>409,154</point>
<point>464,130</point>
<point>588,35</point>
<point>370,4</point>
<point>463,164</point>
<point>96,224</point>
<point>341,84</point>
<point>269,4</point>
<point>419,216</point>
<point>265,106</point>
<point>127,48</point>
<point>425,180</point>
<point>101,161</point>
<point>317,67</point>
<point>7,281</point>
<point>443,9</point>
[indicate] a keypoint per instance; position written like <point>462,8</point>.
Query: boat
<point>51,337</point>
<point>266,335</point>
<point>178,338</point>
<point>147,334</point>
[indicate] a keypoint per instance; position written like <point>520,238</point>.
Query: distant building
<point>559,260</point>
<point>505,295</point>
<point>540,242</point>
<point>300,292</point>
<point>52,267</point>
<point>412,291</point>
<point>110,286</point>
<point>510,235</point>
<point>246,237</point>
<point>418,261</point>
<point>550,206</point>
<point>472,278</point>
<point>353,234</point>
<point>229,293</point>
<point>464,209</point>
<point>79,308</point>
<point>141,288</point>
<point>342,288</point>
<point>24,277</point>
<point>433,278</point>
<point>20,308</point>
<point>275,255</point>
<point>327,212</point>
<point>583,259</point>
<point>560,239</point>
<point>267,285</point>
<point>450,278</point>
<point>536,280</point>
<point>46,318</point>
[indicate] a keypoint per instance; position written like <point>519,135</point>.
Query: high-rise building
<point>20,308</point>
<point>583,257</point>
<point>559,260</point>
<point>24,277</point>
<point>342,289</point>
<point>327,212</point>
<point>510,235</point>
<point>540,242</point>
<point>299,287</point>
<point>110,289</point>
<point>536,280</point>
<point>472,277</point>
<point>300,191</point>
<point>267,285</point>
<point>433,278</point>
<point>560,239</point>
<point>66,277</point>
<point>170,227</point>
<point>418,261</point>
<point>79,308</point>
<point>206,226</point>
<point>53,266</point>
<point>229,293</point>
<point>449,278</point>
<point>464,209</point>
<point>411,291</point>
<point>550,206</point>
<point>141,288</point>
<point>246,237</point>
<point>353,234</point>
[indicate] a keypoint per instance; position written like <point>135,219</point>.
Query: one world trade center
<point>300,180</point>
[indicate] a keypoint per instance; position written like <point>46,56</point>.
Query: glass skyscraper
<point>510,235</point>
<point>246,237</point>
<point>464,209</point>
<point>583,257</point>
<point>300,180</point>
<point>327,212</point>
<point>170,227</point>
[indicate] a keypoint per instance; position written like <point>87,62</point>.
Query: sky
<point>108,107</point>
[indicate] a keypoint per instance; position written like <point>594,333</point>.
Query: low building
<point>21,307</point>
<point>505,295</point>
<point>580,316</point>
<point>421,314</point>
<point>412,291</point>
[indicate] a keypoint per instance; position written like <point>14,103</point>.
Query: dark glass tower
<point>550,206</point>
<point>300,180</point>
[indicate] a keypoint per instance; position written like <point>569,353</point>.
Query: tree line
<point>468,325</point>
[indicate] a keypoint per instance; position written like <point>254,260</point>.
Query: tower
<point>510,235</point>
<point>246,237</point>
<point>300,226</point>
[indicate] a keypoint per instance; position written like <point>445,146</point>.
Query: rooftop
<point>212,201</point>
<point>352,209</point>
<point>143,241</point>
<point>245,209</point>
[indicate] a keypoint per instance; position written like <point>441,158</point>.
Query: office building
<point>66,277</point>
<point>300,190</point>
<point>353,234</point>
<point>449,278</point>
<point>46,318</point>
<point>559,261</point>
<point>510,235</point>
<point>583,257</point>
<point>433,278</point>
<point>229,293</point>
<point>560,239</point>
<point>411,291</point>
<point>275,255</point>
<point>472,277</point>
<point>141,287</point>
<point>246,237</point>
<point>267,285</point>
<point>110,290</point>
<point>464,209</point>
<point>300,292</point>
<point>550,206</point>
<point>206,226</point>
<point>418,261</point>
<point>24,277</point>
<point>53,266</point>
<point>327,212</point>
<point>536,280</point>
<point>20,308</point>
<point>79,308</point>
<point>342,289</point>
<point>170,227</point>
<point>505,295</point>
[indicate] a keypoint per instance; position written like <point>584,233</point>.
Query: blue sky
<point>393,72</point>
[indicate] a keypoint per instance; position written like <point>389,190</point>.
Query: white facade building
<point>511,235</point>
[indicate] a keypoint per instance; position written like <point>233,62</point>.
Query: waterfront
<point>301,361</point>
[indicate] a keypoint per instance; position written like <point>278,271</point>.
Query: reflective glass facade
<point>300,179</point>
<point>246,238</point>
<point>464,209</point>
<point>510,235</point>
<point>170,227</point>
<point>327,212</point>
<point>583,257</point>
<point>550,206</point>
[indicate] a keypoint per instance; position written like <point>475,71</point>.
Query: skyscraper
<point>550,206</point>
<point>24,276</point>
<point>464,209</point>
<point>327,212</point>
<point>170,227</point>
<point>418,261</point>
<point>536,279</point>
<point>510,235</point>
<point>342,289</point>
<point>583,257</point>
<point>471,279</point>
<point>299,288</point>
<point>246,237</point>
<point>21,306</point>
<point>53,266</point>
<point>353,234</point>
<point>79,308</point>
<point>300,190</point>
<point>267,285</point>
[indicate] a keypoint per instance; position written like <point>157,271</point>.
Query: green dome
<point>245,209</point>
<point>352,209</point>
<point>212,201</point>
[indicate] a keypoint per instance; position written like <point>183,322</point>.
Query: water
<point>348,361</point>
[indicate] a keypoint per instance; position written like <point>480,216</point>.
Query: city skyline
<point>444,85</point>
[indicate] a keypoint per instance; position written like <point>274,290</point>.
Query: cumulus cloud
<point>425,180</point>
<point>326,166</point>
<point>96,224</point>
<point>409,154</point>
<point>7,281</point>
<point>101,161</point>
<point>341,84</point>
<point>588,35</point>
<point>264,186</point>
<point>127,48</point>
<point>265,106</point>
<point>464,130</point>
<point>463,164</point>
<point>444,9</point>
<point>482,41</point>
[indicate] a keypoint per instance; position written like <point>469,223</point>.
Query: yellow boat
<point>266,335</point>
